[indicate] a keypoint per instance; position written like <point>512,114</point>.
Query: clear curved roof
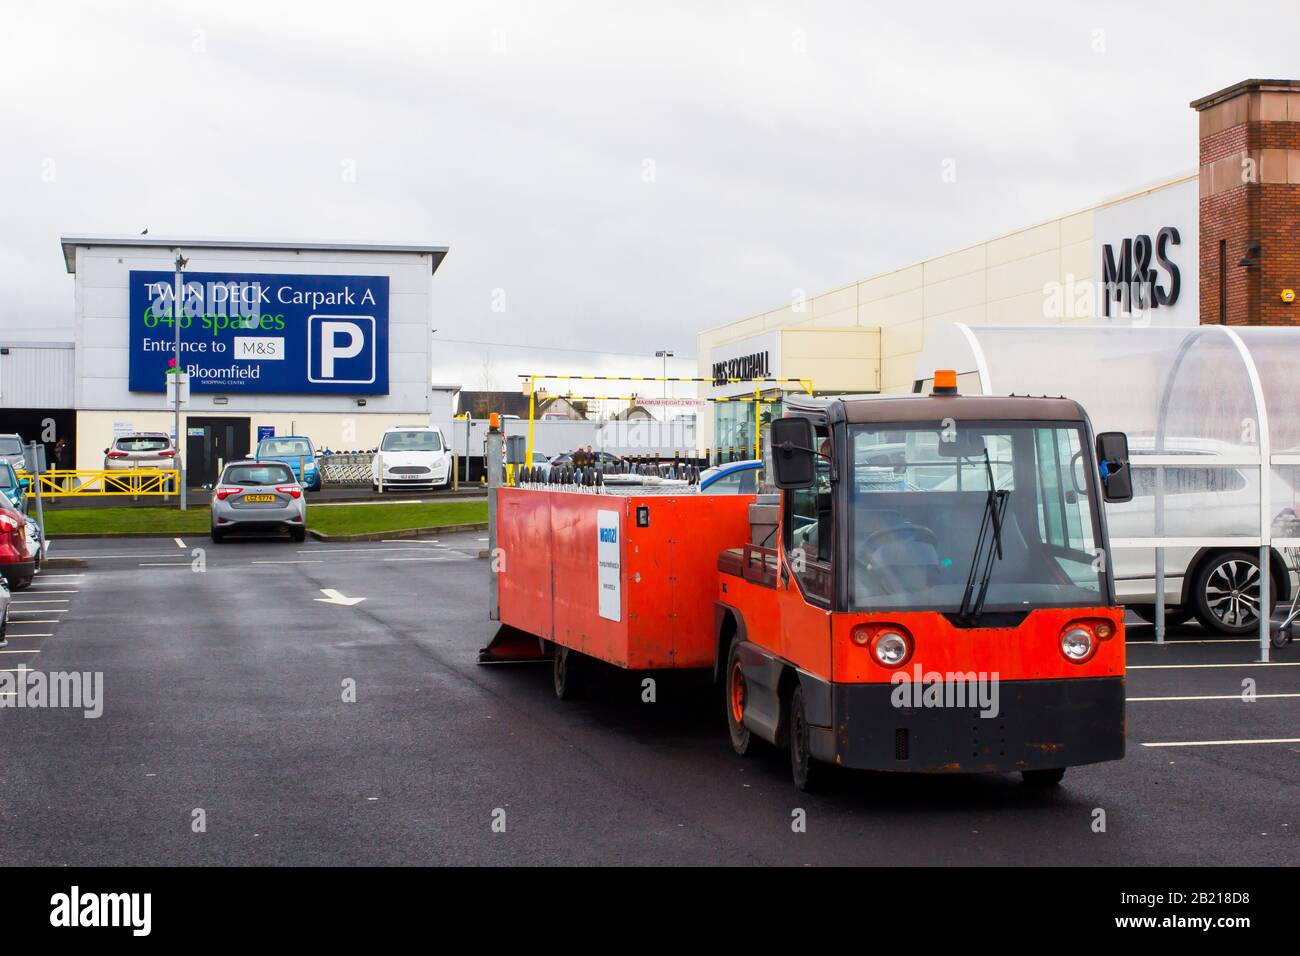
<point>1202,406</point>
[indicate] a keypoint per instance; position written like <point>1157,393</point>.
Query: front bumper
<point>1039,725</point>
<point>433,479</point>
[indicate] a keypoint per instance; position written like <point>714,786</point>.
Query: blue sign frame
<point>258,333</point>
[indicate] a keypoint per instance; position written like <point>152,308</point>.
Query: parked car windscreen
<point>743,481</point>
<point>143,443</point>
<point>411,441</point>
<point>289,447</point>
<point>263,474</point>
<point>9,445</point>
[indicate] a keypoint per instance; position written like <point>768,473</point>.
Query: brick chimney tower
<point>1250,203</point>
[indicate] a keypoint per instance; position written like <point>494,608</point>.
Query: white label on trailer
<point>609,561</point>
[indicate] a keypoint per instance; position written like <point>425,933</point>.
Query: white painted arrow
<point>334,597</point>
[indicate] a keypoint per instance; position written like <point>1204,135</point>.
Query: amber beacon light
<point>945,382</point>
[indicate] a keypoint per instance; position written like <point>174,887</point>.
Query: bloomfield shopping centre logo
<point>955,689</point>
<point>31,689</point>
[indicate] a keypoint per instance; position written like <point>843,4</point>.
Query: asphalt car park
<point>227,673</point>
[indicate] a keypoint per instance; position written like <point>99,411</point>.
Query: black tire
<point>22,584</point>
<point>298,534</point>
<point>374,487</point>
<point>1174,616</point>
<point>743,741</point>
<point>568,673</point>
<point>809,775</point>
<point>1222,593</point>
<point>1042,779</point>
<point>218,536</point>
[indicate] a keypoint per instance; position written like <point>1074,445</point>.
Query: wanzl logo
<point>1131,280</point>
<point>341,349</point>
<point>609,536</point>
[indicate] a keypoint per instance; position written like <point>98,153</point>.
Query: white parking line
<point>359,550</point>
<point>34,590</point>
<point>50,601</point>
<point>137,554</point>
<point>1175,667</point>
<point>37,621</point>
<point>1215,640</point>
<point>15,637</point>
<point>409,540</point>
<point>14,670</point>
<point>61,574</point>
<point>179,542</point>
<point>44,610</point>
<point>19,652</point>
<point>1239,697</point>
<point>1223,743</point>
<point>288,562</point>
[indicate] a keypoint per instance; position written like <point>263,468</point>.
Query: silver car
<point>140,450</point>
<point>11,450</point>
<point>258,496</point>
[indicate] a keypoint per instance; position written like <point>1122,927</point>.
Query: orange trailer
<point>623,578</point>
<point>930,592</point>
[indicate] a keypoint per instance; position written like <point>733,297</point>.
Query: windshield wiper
<point>995,506</point>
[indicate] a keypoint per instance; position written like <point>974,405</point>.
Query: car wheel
<point>218,536</point>
<point>1226,593</point>
<point>375,488</point>
<point>298,534</point>
<point>733,695</point>
<point>22,584</point>
<point>809,774</point>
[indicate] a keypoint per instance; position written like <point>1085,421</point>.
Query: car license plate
<point>259,497</point>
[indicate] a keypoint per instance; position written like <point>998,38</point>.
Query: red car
<point>16,564</point>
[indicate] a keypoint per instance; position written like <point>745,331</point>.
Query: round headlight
<point>1076,643</point>
<point>891,648</point>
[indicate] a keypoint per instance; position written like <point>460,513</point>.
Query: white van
<point>1219,586</point>
<point>411,456</point>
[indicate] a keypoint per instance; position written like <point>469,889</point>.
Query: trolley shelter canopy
<point>1210,413</point>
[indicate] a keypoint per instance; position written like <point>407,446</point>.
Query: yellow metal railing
<point>82,483</point>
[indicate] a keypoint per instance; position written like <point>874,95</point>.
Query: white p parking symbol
<point>339,337</point>
<point>329,344</point>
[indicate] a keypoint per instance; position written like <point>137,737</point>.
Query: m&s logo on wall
<point>239,332</point>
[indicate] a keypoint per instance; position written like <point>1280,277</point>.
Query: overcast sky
<point>625,173</point>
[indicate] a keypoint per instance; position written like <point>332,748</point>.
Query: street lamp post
<point>665,354</point>
<point>181,262</point>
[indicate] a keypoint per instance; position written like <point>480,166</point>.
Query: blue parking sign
<point>267,333</point>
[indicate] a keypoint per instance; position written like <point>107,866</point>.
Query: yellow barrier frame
<point>805,383</point>
<point>94,483</point>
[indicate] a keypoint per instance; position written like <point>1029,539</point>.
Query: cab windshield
<point>920,495</point>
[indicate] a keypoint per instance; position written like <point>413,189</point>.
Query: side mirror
<point>793,458</point>
<point>24,483</point>
<point>1112,463</point>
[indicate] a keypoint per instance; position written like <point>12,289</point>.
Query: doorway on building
<point>209,444</point>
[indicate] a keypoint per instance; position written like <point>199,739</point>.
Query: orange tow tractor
<point>931,592</point>
<point>939,598</point>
